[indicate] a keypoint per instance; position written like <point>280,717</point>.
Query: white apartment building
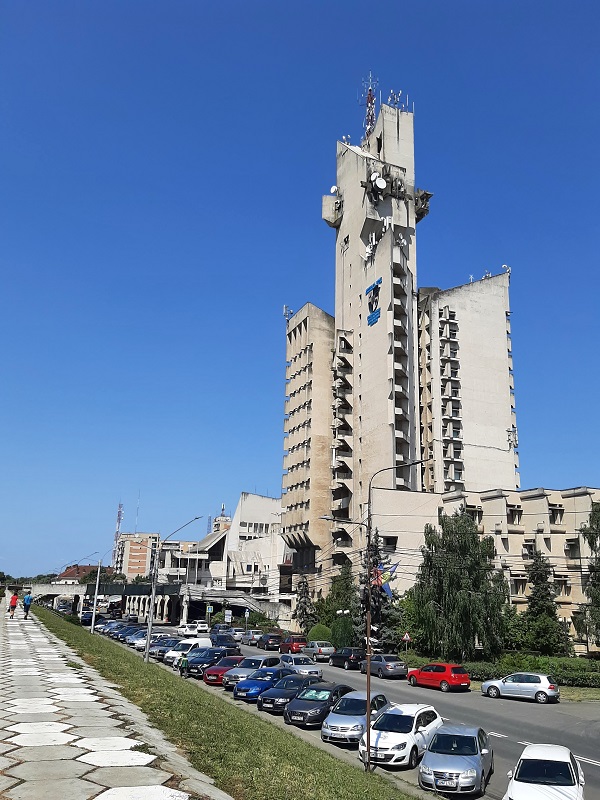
<point>308,440</point>
<point>134,553</point>
<point>468,422</point>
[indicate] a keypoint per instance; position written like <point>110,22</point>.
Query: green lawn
<point>248,757</point>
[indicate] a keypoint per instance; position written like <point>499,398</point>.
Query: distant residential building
<point>134,553</point>
<point>76,572</point>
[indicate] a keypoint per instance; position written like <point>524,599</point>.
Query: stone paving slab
<point>67,734</point>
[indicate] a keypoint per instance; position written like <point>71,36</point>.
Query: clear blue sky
<point>162,166</point>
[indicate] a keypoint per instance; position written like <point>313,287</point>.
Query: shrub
<point>318,632</point>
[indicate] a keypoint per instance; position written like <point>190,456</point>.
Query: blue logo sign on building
<point>372,294</point>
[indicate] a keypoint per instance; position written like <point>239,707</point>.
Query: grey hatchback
<point>523,685</point>
<point>458,759</point>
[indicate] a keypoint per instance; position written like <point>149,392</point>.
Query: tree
<point>343,596</point>
<point>305,612</point>
<point>591,589</point>
<point>545,632</point>
<point>516,634</point>
<point>458,595</point>
<point>141,579</point>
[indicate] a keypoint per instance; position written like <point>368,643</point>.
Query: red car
<point>293,644</point>
<point>213,676</point>
<point>442,676</point>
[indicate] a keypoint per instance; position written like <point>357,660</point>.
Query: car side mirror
<point>503,680</point>
<point>485,751</point>
<point>509,774</point>
<point>420,728</point>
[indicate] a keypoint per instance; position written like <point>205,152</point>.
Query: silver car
<point>303,665</point>
<point>251,637</point>
<point>319,651</point>
<point>525,686</point>
<point>245,668</point>
<point>347,720</point>
<point>458,759</point>
<point>385,665</point>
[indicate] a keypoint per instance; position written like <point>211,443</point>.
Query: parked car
<point>347,657</point>
<point>200,661</point>
<point>258,682</point>
<point>385,665</point>
<point>523,685</point>
<point>224,640</point>
<point>293,644</point>
<point>269,641</point>
<point>237,633</point>
<point>401,734</point>
<point>319,651</point>
<point>440,676</point>
<point>245,668</point>
<point>130,618</point>
<point>162,647</point>
<point>213,676</point>
<point>221,627</point>
<point>314,703</point>
<point>251,637</point>
<point>141,633</point>
<point>140,644</point>
<point>347,720</point>
<point>546,771</point>
<point>459,759</point>
<point>192,628</point>
<point>303,665</point>
<point>184,646</point>
<point>122,634</point>
<point>283,691</point>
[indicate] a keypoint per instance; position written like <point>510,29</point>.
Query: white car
<point>251,637</point>
<point>237,633</point>
<point>401,734</point>
<point>192,628</point>
<point>303,665</point>
<point>184,647</point>
<point>546,772</point>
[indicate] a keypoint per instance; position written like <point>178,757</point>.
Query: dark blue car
<point>257,683</point>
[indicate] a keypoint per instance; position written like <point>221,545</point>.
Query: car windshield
<point>394,659</point>
<point>262,675</point>
<point>288,683</point>
<point>351,706</point>
<point>324,644</point>
<point>302,660</point>
<point>169,642</point>
<point>550,679</point>
<point>395,723</point>
<point>316,695</point>
<point>250,663</point>
<point>546,773</point>
<point>182,646</point>
<point>459,671</point>
<point>228,662</point>
<point>450,744</point>
<point>202,653</point>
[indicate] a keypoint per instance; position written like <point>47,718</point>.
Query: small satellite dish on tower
<point>380,183</point>
<point>333,190</point>
<point>374,176</point>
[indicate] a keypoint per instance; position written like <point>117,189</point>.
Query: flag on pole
<point>383,576</point>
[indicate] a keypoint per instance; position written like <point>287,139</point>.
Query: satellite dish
<point>374,176</point>
<point>380,183</point>
<point>333,190</point>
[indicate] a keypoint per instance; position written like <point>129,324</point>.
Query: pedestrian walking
<point>27,601</point>
<point>13,603</point>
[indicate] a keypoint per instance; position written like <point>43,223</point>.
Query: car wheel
<point>330,662</point>
<point>412,680</point>
<point>363,669</point>
<point>413,758</point>
<point>541,697</point>
<point>482,784</point>
<point>346,665</point>
<point>491,768</point>
<point>380,673</point>
<point>444,686</point>
<point>493,692</point>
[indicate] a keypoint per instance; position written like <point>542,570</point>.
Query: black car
<point>225,640</point>
<point>314,703</point>
<point>347,657</point>
<point>276,699</point>
<point>269,641</point>
<point>159,649</point>
<point>199,660</point>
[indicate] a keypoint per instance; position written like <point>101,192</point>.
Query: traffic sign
<point>246,613</point>
<point>209,609</point>
<point>406,637</point>
<point>228,615</point>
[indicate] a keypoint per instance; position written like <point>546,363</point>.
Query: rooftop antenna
<point>137,511</point>
<point>287,312</point>
<point>394,99</point>
<point>117,532</point>
<point>368,99</point>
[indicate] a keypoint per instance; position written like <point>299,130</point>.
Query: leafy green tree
<point>304,612</point>
<point>342,632</point>
<point>545,632</point>
<point>319,633</point>
<point>591,588</point>
<point>140,579</point>
<point>458,595</point>
<point>516,634</point>
<point>343,596</point>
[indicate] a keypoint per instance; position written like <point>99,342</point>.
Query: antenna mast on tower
<point>117,532</point>
<point>368,98</point>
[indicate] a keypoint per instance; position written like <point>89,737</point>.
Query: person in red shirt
<point>13,603</point>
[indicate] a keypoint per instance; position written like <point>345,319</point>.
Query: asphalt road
<point>512,724</point>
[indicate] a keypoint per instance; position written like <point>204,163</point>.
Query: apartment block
<point>134,553</point>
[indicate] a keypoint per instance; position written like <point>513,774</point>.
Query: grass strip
<point>246,756</point>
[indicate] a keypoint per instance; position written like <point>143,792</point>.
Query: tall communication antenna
<point>209,525</point>
<point>120,516</point>
<point>368,99</point>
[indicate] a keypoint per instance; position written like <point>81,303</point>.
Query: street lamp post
<point>154,582</point>
<point>369,647</point>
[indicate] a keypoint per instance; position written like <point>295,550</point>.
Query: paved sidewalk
<point>66,734</point>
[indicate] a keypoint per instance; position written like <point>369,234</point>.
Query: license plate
<point>297,717</point>
<point>241,694</point>
<point>445,783</point>
<point>267,704</point>
<point>211,677</point>
<point>337,735</point>
<point>464,684</point>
